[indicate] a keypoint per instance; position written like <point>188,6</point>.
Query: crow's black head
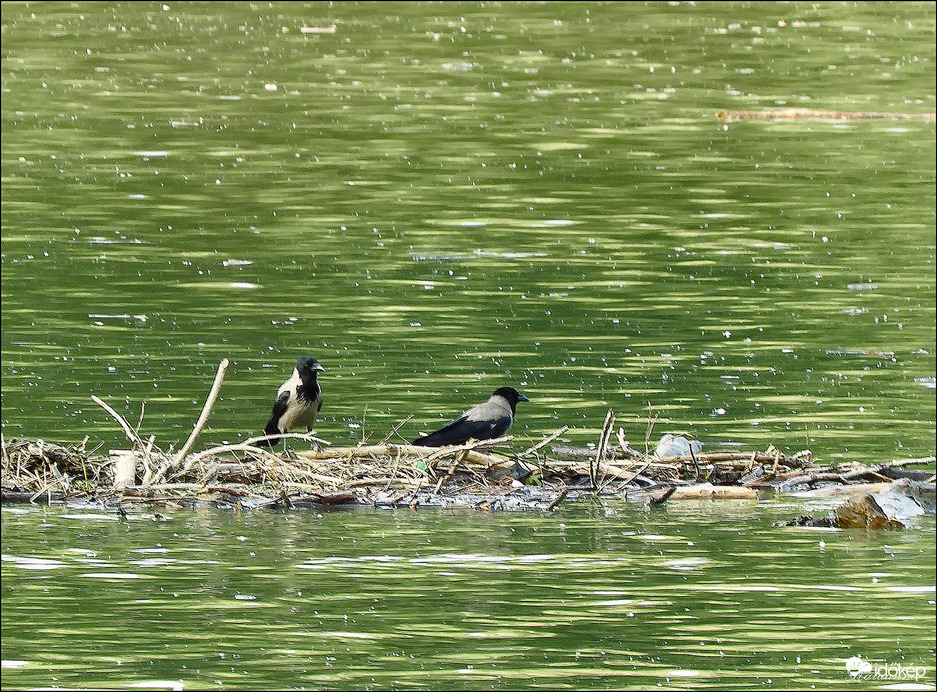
<point>308,366</point>
<point>511,395</point>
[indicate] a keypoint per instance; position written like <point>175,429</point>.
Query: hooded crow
<point>298,400</point>
<point>486,421</point>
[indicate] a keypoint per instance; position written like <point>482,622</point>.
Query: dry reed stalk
<point>600,452</point>
<point>393,473</point>
<point>130,432</point>
<point>543,443</point>
<point>650,428</point>
<point>395,429</point>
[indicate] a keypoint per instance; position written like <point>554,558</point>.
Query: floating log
<point>710,491</point>
<point>812,114</point>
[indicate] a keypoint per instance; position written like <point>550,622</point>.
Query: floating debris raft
<point>488,475</point>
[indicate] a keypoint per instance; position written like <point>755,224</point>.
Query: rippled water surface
<point>694,596</point>
<point>436,200</point>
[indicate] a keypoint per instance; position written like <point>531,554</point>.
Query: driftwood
<point>34,470</point>
<point>811,114</point>
<point>845,476</point>
<point>710,491</point>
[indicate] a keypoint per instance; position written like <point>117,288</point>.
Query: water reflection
<point>610,596</point>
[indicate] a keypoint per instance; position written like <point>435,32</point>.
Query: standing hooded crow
<point>486,421</point>
<point>298,400</point>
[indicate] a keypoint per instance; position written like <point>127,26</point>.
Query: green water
<point>441,199</point>
<point>699,595</point>
<point>436,200</point>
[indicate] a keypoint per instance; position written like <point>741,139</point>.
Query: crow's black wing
<point>273,426</point>
<point>462,429</point>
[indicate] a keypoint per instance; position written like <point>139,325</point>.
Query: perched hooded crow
<point>298,400</point>
<point>486,421</point>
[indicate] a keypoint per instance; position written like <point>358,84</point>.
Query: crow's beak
<point>521,397</point>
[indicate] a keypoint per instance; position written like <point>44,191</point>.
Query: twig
<point>396,428</point>
<point>452,468</point>
<point>543,443</point>
<point>215,451</point>
<point>203,418</point>
<point>887,465</point>
<point>603,443</point>
<point>830,474</point>
<point>364,420</point>
<point>308,437</point>
<point>147,468</point>
<point>123,423</point>
<point>634,475</point>
<point>140,421</point>
<point>425,454</point>
<point>560,496</point>
<point>650,428</point>
<point>413,497</point>
<point>393,473</point>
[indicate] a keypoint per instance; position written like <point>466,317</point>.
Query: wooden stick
<point>708,458</point>
<point>560,496</point>
<point>845,477</point>
<point>888,465</point>
<point>308,437</point>
<point>443,479</point>
<point>393,473</point>
<point>395,429</point>
<point>650,428</point>
<point>426,454</point>
<point>123,423</point>
<point>543,443</point>
<point>215,451</point>
<point>377,481</point>
<point>140,421</point>
<point>603,443</point>
<point>203,418</point>
<point>626,481</point>
<point>147,468</point>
